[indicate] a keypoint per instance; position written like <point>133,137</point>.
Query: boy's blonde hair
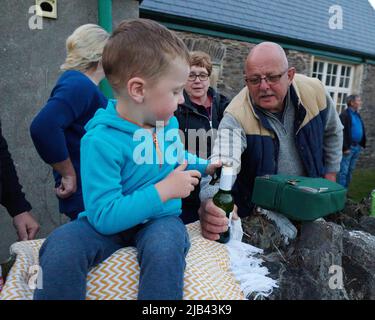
<point>140,48</point>
<point>201,59</point>
<point>84,47</point>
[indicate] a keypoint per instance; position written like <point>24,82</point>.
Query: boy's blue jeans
<point>72,249</point>
<point>347,165</point>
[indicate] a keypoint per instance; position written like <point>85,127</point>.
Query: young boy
<point>132,188</point>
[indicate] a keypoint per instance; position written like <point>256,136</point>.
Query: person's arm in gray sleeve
<point>229,144</point>
<point>333,138</point>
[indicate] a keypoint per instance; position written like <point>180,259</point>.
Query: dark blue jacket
<point>59,126</point>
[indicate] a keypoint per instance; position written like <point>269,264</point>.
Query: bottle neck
<point>225,191</point>
<point>226,179</point>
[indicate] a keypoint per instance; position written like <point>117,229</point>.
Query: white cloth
<point>246,267</point>
<point>286,228</point>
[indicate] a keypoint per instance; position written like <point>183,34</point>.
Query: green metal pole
<point>105,21</point>
<point>105,14</point>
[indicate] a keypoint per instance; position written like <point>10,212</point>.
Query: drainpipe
<point>105,21</point>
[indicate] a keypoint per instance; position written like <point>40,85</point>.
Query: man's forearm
<point>229,145</point>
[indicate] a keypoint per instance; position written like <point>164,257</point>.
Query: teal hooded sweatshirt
<point>120,164</point>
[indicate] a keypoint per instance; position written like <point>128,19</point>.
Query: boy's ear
<point>136,89</point>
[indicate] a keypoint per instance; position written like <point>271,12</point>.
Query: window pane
<point>315,67</point>
<point>348,71</point>
<point>335,69</point>
<point>339,97</point>
<point>333,82</point>
<point>321,66</point>
<point>341,84</point>
<point>328,80</point>
<point>337,78</point>
<point>347,82</point>
<point>343,69</point>
<point>329,68</point>
<point>345,95</point>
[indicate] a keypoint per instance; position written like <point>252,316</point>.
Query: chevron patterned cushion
<point>207,275</point>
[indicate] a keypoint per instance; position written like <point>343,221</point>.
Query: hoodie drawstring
<point>158,152</point>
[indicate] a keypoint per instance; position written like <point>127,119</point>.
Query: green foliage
<point>363,182</point>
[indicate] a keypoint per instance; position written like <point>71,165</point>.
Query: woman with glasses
<point>202,110</point>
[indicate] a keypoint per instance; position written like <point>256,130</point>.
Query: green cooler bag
<point>298,198</point>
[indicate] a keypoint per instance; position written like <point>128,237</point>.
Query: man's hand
<point>213,219</point>
<point>330,176</point>
<point>26,226</point>
<point>67,187</point>
<point>211,168</point>
<point>346,152</point>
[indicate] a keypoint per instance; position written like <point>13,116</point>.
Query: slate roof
<point>304,20</point>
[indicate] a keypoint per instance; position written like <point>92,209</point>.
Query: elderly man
<point>12,197</point>
<point>281,122</point>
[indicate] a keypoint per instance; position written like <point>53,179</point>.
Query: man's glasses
<point>201,76</point>
<point>270,79</point>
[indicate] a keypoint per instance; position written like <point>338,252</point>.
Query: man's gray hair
<point>351,98</point>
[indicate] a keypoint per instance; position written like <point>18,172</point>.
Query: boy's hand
<point>178,184</point>
<point>211,168</point>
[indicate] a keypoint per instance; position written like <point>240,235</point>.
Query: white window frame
<point>332,80</point>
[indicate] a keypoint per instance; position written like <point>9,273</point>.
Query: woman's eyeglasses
<point>201,76</point>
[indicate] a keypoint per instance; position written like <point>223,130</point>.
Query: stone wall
<point>299,60</point>
<point>367,158</point>
<point>231,80</point>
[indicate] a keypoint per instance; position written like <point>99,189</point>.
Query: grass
<point>363,182</point>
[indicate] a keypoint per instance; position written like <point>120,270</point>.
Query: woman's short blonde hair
<point>201,59</point>
<point>84,47</point>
